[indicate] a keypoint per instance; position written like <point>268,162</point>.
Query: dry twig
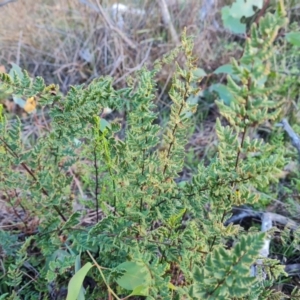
<point>109,23</point>
<point>293,136</point>
<point>167,20</point>
<point>274,218</point>
<point>7,2</point>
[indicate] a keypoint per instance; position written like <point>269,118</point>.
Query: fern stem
<point>115,196</point>
<point>173,132</point>
<point>239,151</point>
<point>215,237</point>
<point>143,169</point>
<point>30,172</point>
<point>245,128</point>
<point>57,148</point>
<point>96,184</point>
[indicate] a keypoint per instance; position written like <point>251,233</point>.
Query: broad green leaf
<point>3,296</point>
<point>77,263</point>
<point>172,286</point>
<point>224,69</point>
<point>19,101</point>
<point>242,8</point>
<point>140,290</point>
<point>192,99</point>
<point>76,281</point>
<point>15,68</point>
<point>136,274</point>
<point>231,16</point>
<point>232,23</point>
<point>182,184</point>
<point>227,69</point>
<point>104,124</point>
<point>293,38</point>
<point>77,268</point>
<point>223,92</point>
<point>199,73</point>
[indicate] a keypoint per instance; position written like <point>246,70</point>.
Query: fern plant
<point>139,242</point>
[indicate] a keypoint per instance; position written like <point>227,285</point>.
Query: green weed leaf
<point>140,290</point>
<point>224,69</point>
<point>232,23</point>
<point>17,70</point>
<point>223,92</point>
<point>104,124</point>
<point>231,16</point>
<point>76,281</point>
<point>136,275</point>
<point>293,38</point>
<point>199,73</point>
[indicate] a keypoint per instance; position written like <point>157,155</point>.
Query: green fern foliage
<point>172,235</point>
<point>226,274</point>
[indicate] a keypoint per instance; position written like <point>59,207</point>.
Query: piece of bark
<point>293,136</point>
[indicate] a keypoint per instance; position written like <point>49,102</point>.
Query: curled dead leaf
<point>30,105</point>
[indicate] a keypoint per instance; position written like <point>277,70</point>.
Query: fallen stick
<point>6,2</point>
<point>293,136</point>
<point>167,21</point>
<point>275,218</point>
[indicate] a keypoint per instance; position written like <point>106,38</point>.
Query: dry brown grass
<point>49,38</point>
<point>55,39</point>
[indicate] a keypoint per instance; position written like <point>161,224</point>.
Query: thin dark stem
<point>215,237</point>
<point>172,143</point>
<point>114,188</point>
<point>14,208</point>
<point>262,11</point>
<point>143,169</point>
<point>115,196</point>
<point>239,151</point>
<point>96,184</point>
<point>30,172</point>
<point>57,148</point>
<point>208,188</point>
<point>245,128</point>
